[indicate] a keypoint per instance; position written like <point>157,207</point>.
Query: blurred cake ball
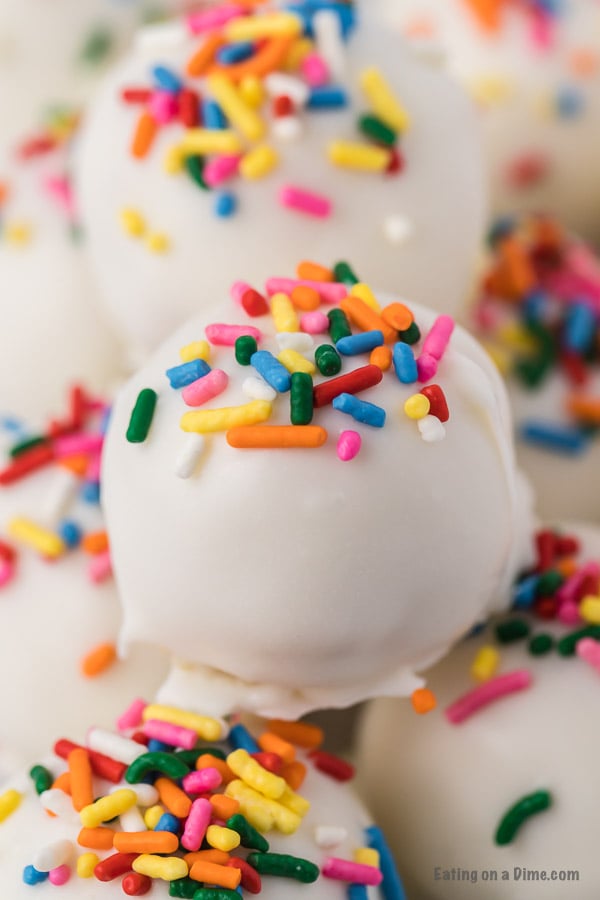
<point>270,133</point>
<point>533,68</point>
<point>479,796</point>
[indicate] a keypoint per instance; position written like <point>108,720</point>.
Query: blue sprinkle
<point>225,205</point>
<point>166,79</point>
<point>359,343</point>
<point>525,592</point>
<point>240,738</point>
<point>566,439</point>
<point>105,420</point>
<point>405,364</point>
<point>535,307</point>
<point>364,412</point>
<point>70,533</point>
<point>475,631</point>
<point>168,822</point>
<point>90,492</point>
<point>212,115</point>
<point>234,53</point>
<point>307,10</point>
<point>580,328</point>
<point>501,228</point>
<point>187,373</point>
<point>357,892</point>
<point>391,886</point>
<point>271,370</point>
<point>32,876</point>
<point>569,103</point>
<point>327,98</point>
<point>11,423</point>
<point>155,746</point>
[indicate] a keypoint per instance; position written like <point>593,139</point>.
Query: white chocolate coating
<point>326,582</point>
<point>441,790</point>
<point>517,83</point>
<point>150,294</point>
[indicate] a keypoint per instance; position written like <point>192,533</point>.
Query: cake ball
<point>59,612</point>
<point>297,488</point>
<point>538,313</point>
<point>275,131</point>
<point>255,810</point>
<point>479,796</point>
<point>534,71</point>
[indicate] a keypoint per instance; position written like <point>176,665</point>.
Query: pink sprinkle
<point>427,366</point>
<point>542,31</point>
<point>92,473</point>
<point>163,107</point>
<point>487,693</point>
<point>356,873</point>
<point>7,571</point>
<point>202,781</point>
<point>175,735</point>
<point>238,289</point>
<point>61,191</point>
<point>305,202</point>
<point>211,19</point>
<point>59,875</point>
<point>568,613</point>
<point>76,444</point>
<point>314,322</point>
<point>196,824</point>
<point>315,70</point>
<point>570,590</point>
<point>132,717</point>
<point>226,335</point>
<point>205,388</point>
<point>329,291</point>
<point>348,445</point>
<point>589,650</point>
<point>100,567</point>
<point>220,169</point>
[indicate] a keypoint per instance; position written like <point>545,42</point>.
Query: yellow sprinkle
<point>46,542</point>
<point>195,350</point>
<point>241,115</point>
<point>295,362</point>
<point>132,222</point>
<point>261,812</point>
<point>107,808</point>
<point>499,356</point>
<point>255,776</point>
<point>298,53</point>
<point>167,868</point>
<point>86,864</point>
<point>157,242</point>
<point>486,662</point>
<point>383,100</point>
<point>222,838</point>
<point>19,233</point>
<point>9,802</point>
<point>252,91</point>
<point>366,856</point>
<point>364,293</point>
<point>417,406</point>
<point>152,816</point>
<point>363,157</point>
<point>203,141</point>
<point>205,421</point>
<point>258,163</point>
<point>253,28</point>
<point>517,338</point>
<point>174,160</point>
<point>284,314</point>
<point>491,90</point>
<point>294,802</point>
<point>589,610</point>
<point>206,727</point>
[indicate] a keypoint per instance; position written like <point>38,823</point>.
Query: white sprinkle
<point>295,340</point>
<point>397,229</point>
<point>256,388</point>
<point>280,85</point>
<point>60,496</point>
<point>59,803</point>
<point>328,37</point>
<point>53,855</point>
<point>189,455</point>
<point>432,430</point>
<point>329,836</point>
<point>113,745</point>
<point>287,128</point>
<point>132,820</point>
<point>146,794</point>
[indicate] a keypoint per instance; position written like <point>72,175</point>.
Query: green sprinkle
<point>183,888</point>
<point>141,416</point>
<point>284,866</point>
<point>541,644</point>
<point>215,894</point>
<point>376,129</point>
<point>189,757</point>
<point>549,583</point>
<point>249,836</point>
<point>566,646</point>
<point>512,820</point>
<point>512,630</point>
<point>27,444</point>
<point>169,764</point>
<point>194,166</point>
<point>339,326</point>
<point>245,347</point>
<point>328,360</point>
<point>411,336</point>
<point>97,45</point>
<point>343,273</point>
<point>42,779</point>
<point>301,399</point>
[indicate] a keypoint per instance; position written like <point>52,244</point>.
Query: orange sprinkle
<point>294,773</point>
<point>305,298</point>
<point>63,783</point>
<point>143,137</point>
<point>171,796</point>
<point>272,743</point>
<point>207,761</point>
<point>487,12</point>
<point>254,437</point>
<point>567,567</point>
<point>398,316</point>
<point>80,770</point>
<point>95,542</point>
<point>98,660</point>
<point>203,58</point>
<point>423,701</point>
<point>381,357</point>
<point>222,876</point>
<point>96,838</point>
<point>146,842</point>
<point>311,271</point>
<point>420,27</point>
<point>224,807</point>
<point>301,734</point>
<point>78,465</point>
<point>366,318</point>
<point>586,409</point>
<point>584,62</point>
<point>218,857</point>
<point>268,58</point>
<point>517,266</point>
<point>3,192</point>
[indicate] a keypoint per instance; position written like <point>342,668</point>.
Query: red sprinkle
<point>136,95</point>
<point>7,552</point>
<point>352,383</point>
<point>250,878</point>
<point>282,106</point>
<point>272,762</point>
<point>254,303</point>
<point>546,550</point>
<point>397,162</point>
<point>27,462</point>
<point>114,866</point>
<point>102,766</point>
<point>332,765</point>
<point>189,108</point>
<point>546,607</point>
<point>438,406</point>
<point>39,145</point>
<point>136,885</point>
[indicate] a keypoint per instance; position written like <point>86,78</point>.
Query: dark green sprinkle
<point>189,757</point>
<point>42,779</point>
<point>566,646</point>
<point>532,372</point>
<point>285,866</point>
<point>245,348</point>
<point>549,583</point>
<point>27,444</point>
<point>249,836</point>
<point>411,336</point>
<point>328,360</point>
<point>301,399</point>
<point>512,630</point>
<point>339,326</point>
<point>512,820</point>
<point>541,644</point>
<point>194,166</point>
<point>377,130</point>
<point>215,894</point>
<point>97,45</point>
<point>141,416</point>
<point>342,272</point>
<point>183,888</point>
<point>169,764</point>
